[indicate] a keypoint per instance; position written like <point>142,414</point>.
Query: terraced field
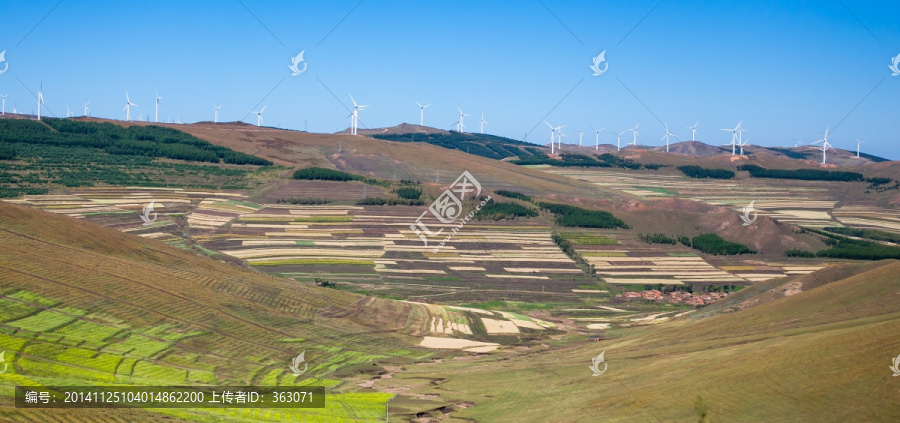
<point>799,203</point>
<point>632,262</point>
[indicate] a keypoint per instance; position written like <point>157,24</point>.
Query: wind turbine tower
<point>87,110</point>
<point>619,140</point>
<point>157,98</point>
<point>694,131</point>
<point>216,118</point>
<point>3,110</point>
<point>858,142</point>
<point>422,113</point>
<point>597,141</point>
<point>825,145</point>
<point>40,100</point>
<point>580,137</point>
<point>635,131</point>
<point>354,116</point>
<point>127,107</point>
<point>552,138</point>
<point>459,124</point>
<point>482,122</point>
<point>667,135</point>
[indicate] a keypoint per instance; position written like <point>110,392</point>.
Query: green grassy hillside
<point>80,303</point>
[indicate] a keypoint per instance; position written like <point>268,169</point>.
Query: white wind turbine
<point>740,135</point>
<point>216,119</point>
<point>259,119</point>
<point>858,142</point>
<point>597,141</point>
<point>667,135</point>
<point>127,107</point>
<point>552,138</point>
<point>619,140</point>
<point>422,113</point>
<point>87,110</point>
<point>694,131</point>
<point>354,115</point>
<point>580,137</point>
<point>68,112</point>
<point>3,110</point>
<point>825,145</point>
<point>635,131</point>
<point>157,98</point>
<point>482,122</point>
<point>460,125</point>
<point>733,137</point>
<point>40,100</point>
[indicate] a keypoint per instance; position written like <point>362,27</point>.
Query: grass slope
<point>80,303</point>
<point>818,355</point>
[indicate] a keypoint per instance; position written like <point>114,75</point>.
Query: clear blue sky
<point>786,70</point>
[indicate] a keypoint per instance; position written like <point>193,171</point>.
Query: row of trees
<point>584,160</point>
<point>490,146</point>
<point>149,141</point>
<point>500,211</point>
<point>698,172</point>
<point>514,194</point>
<point>573,216</point>
<point>802,174</point>
<point>657,239</point>
<point>713,244</point>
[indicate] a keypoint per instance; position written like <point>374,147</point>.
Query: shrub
<point>409,193</point>
<point>657,239</point>
<point>799,253</point>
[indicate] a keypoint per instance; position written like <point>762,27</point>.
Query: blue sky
<point>786,70</point>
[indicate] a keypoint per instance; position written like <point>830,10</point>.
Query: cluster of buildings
<point>681,297</point>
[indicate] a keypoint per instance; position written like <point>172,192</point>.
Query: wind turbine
<point>634,142</point>
<point>40,100</point>
<point>216,120</point>
<point>460,125</point>
<point>667,135</point>
<point>597,142</point>
<point>858,142</point>
<point>825,145</point>
<point>3,110</point>
<point>580,136</point>
<point>157,98</point>
<point>694,131</point>
<point>619,140</point>
<point>354,116</point>
<point>68,112</point>
<point>796,143</point>
<point>482,122</point>
<point>740,135</point>
<point>552,138</point>
<point>87,110</point>
<point>742,143</point>
<point>259,119</point>
<point>422,113</point>
<point>127,107</point>
<point>733,137</point>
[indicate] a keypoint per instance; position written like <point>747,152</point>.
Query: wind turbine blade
<point>419,104</point>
